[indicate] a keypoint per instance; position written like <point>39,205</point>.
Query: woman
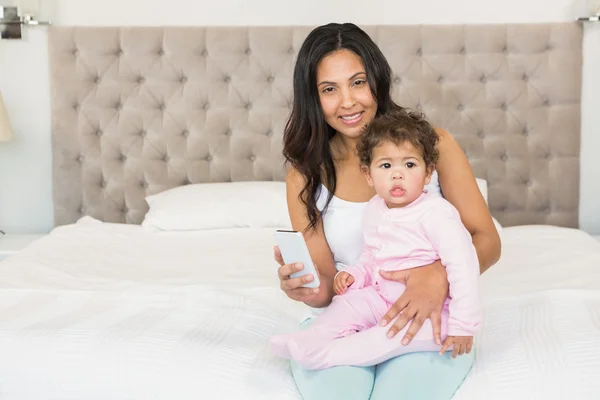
<point>341,82</point>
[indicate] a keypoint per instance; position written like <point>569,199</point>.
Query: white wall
<point>25,163</point>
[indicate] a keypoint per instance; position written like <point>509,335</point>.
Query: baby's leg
<point>372,346</point>
<point>354,311</point>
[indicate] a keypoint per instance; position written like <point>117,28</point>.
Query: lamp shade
<point>5,128</point>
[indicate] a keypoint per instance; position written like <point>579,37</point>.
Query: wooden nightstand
<point>12,243</point>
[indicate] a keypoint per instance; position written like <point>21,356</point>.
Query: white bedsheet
<point>108,311</point>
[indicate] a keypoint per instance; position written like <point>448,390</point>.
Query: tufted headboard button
<point>483,79</point>
<point>185,133</point>
<point>270,79</point>
<point>144,184</point>
<point>248,51</point>
<point>252,158</point>
<point>208,158</point>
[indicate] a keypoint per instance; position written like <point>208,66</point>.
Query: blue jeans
<point>423,376</point>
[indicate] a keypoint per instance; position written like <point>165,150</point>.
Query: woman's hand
<point>293,286</point>
<point>426,291</point>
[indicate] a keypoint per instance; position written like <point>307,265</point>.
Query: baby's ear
<point>430,169</point>
<point>367,173</point>
<point>364,169</point>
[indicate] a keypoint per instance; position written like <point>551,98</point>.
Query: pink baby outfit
<point>347,333</point>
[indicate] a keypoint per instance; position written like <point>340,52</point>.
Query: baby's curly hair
<point>399,126</point>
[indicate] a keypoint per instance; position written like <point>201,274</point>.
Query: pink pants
<point>347,333</point>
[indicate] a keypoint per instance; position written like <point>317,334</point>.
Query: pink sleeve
<point>453,243</point>
<point>362,270</point>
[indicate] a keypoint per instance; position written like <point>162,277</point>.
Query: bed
<point>158,280</point>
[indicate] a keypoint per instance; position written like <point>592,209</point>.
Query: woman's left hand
<point>426,291</point>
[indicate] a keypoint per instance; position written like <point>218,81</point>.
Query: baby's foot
<point>309,357</point>
<point>279,346</point>
<point>309,352</point>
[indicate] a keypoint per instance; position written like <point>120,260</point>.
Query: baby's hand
<point>342,281</point>
<point>462,345</point>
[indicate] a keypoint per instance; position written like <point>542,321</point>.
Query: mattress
<point>109,311</point>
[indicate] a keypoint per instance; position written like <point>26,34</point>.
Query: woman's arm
<point>458,184</point>
<point>317,246</point>
<point>427,286</point>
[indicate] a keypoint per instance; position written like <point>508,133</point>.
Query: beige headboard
<point>138,110</point>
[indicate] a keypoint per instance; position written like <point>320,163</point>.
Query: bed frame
<point>137,110</point>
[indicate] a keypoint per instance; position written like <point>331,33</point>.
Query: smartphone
<point>293,250</point>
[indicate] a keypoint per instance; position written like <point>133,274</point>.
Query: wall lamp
<point>15,16</point>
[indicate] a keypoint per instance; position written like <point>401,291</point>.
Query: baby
<point>404,227</point>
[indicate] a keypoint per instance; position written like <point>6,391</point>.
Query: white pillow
<point>483,188</point>
<point>219,205</point>
<point>224,205</point>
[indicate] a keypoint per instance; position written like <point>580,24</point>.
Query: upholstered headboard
<point>138,110</point>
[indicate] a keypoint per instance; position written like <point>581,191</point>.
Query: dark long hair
<point>306,135</point>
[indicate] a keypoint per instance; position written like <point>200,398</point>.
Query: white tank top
<point>342,223</point>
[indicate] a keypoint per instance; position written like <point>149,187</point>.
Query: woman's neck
<point>344,148</point>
